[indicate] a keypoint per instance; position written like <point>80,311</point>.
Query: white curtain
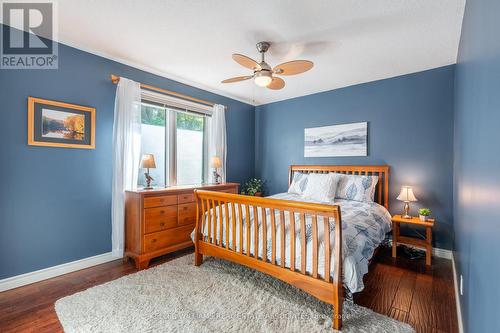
<point>126,155</point>
<point>217,139</point>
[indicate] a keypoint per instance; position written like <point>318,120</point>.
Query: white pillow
<point>321,186</point>
<point>357,187</point>
<point>299,183</point>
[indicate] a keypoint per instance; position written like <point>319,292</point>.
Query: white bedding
<point>364,225</point>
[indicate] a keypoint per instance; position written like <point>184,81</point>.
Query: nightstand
<point>421,243</point>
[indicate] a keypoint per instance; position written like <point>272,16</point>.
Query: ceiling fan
<point>263,74</point>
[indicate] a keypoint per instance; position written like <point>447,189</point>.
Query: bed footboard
<point>228,235</point>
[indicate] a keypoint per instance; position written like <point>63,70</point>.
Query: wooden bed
<point>324,288</point>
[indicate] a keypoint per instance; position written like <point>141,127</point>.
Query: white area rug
<point>218,296</point>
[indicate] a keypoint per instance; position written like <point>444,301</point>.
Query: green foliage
<point>190,122</point>
<point>424,211</point>
<point>155,115</point>
<point>252,186</point>
<point>152,115</point>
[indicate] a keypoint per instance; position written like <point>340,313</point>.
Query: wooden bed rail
<point>224,229</point>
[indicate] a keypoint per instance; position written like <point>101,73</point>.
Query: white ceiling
<point>350,41</point>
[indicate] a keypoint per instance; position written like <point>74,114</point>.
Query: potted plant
<point>253,187</point>
<point>424,213</point>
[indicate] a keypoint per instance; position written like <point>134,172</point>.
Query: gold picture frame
<point>59,124</point>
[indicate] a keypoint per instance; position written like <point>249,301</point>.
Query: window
<point>190,139</point>
<point>177,139</point>
<point>154,121</point>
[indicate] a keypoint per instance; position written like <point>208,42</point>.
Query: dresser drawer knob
<point>154,240</point>
<point>162,212</point>
<point>162,224</point>
<point>185,208</point>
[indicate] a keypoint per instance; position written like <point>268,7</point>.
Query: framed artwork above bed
<point>58,124</point>
<point>336,140</point>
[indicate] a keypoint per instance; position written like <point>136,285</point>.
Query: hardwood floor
<point>403,289</point>
<point>409,291</point>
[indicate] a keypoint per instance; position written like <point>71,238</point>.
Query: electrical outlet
<point>461,285</point>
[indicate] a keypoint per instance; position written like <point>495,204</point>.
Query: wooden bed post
<point>338,297</point>
<point>198,257</point>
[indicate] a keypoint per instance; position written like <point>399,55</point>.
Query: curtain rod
<point>115,79</point>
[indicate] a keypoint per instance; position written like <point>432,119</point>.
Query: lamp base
<point>148,180</point>
<point>216,177</point>
<point>406,214</point>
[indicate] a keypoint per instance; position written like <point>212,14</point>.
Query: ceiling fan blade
<point>245,61</point>
<point>237,79</point>
<point>276,84</point>
<point>293,67</point>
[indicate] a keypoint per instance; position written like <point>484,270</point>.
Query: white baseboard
<point>442,253</point>
<point>437,252</point>
<point>457,297</point>
<point>50,272</point>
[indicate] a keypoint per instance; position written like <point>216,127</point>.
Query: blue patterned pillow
<point>321,186</point>
<point>357,188</point>
<point>299,183</point>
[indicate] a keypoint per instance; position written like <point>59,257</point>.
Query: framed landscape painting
<point>58,124</point>
<point>336,140</point>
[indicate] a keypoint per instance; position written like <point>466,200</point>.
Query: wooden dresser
<point>160,221</point>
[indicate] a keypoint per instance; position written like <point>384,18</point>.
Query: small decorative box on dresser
<point>160,221</point>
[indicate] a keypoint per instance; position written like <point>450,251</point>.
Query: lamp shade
<point>215,162</point>
<point>148,161</point>
<point>406,194</point>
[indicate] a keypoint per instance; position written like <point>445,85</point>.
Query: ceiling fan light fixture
<point>263,78</point>
<point>264,75</point>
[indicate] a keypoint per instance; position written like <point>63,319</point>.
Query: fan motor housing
<point>262,47</point>
<point>263,67</point>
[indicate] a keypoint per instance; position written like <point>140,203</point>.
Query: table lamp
<point>148,162</point>
<point>215,163</point>
<point>407,196</point>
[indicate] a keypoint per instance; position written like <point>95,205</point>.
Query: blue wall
<point>477,165</point>
<point>55,203</point>
<point>410,128</point>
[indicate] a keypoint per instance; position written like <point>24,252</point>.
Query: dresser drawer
<point>164,200</point>
<point>186,198</point>
<point>163,239</point>
<point>185,220</point>
<point>187,213</point>
<point>160,218</point>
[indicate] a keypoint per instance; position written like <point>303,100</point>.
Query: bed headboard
<point>382,171</point>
